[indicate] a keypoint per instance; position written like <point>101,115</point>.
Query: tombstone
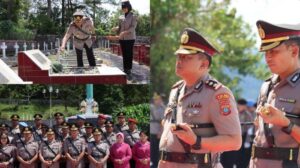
<point>68,46</point>
<point>3,47</point>
<point>51,45</point>
<point>108,43</point>
<point>44,46</point>
<point>16,46</point>
<point>25,46</point>
<point>58,42</point>
<point>32,46</point>
<point>38,46</point>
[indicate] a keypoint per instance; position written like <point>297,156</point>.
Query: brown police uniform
<point>209,107</point>
<point>50,149</point>
<point>8,154</point>
<point>274,148</point>
<point>82,38</point>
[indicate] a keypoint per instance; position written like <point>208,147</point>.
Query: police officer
<point>74,148</point>
<point>50,151</point>
<point>89,132</point>
<point>64,136</point>
<point>277,139</point>
<point>7,152</point>
<point>27,149</point>
<point>201,118</point>
<point>80,124</point>
<point>37,128</point>
<point>101,122</point>
<point>121,126</point>
<point>59,119</point>
<point>109,136</point>
<point>4,129</point>
<point>83,31</point>
<point>15,128</point>
<point>131,136</point>
<point>98,151</point>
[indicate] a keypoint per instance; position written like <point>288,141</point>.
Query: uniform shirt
<point>89,139</point>
<point>95,153</point>
<point>207,102</point>
<point>110,139</point>
<point>16,130</point>
<point>10,152</point>
<point>120,151</point>
<point>131,137</point>
<point>37,133</point>
<point>80,145</point>
<point>121,128</point>
<point>31,146</point>
<point>102,128</point>
<point>56,146</point>
<point>128,24</point>
<point>141,151</point>
<point>81,38</point>
<point>57,130</point>
<point>156,115</point>
<point>82,131</point>
<point>284,96</point>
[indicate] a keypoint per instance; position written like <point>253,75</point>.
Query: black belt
<point>290,154</point>
<point>74,155</point>
<point>196,126</point>
<point>81,39</point>
<point>192,158</point>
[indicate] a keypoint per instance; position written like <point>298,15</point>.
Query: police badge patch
<point>224,103</point>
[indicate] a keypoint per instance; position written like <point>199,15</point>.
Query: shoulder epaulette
<point>177,84</point>
<point>86,18</point>
<point>214,84</point>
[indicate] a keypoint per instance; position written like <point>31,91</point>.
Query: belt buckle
<point>291,155</point>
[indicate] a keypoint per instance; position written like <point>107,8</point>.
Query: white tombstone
<point>32,46</point>
<point>68,46</point>
<point>25,46</point>
<point>16,46</point>
<point>108,44</point>
<point>38,46</point>
<point>3,47</point>
<point>44,46</point>
<point>58,42</point>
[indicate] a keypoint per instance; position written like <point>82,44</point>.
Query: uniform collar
<point>197,87</point>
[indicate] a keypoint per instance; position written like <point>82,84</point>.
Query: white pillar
<point>24,46</point>
<point>3,47</point>
<point>16,46</point>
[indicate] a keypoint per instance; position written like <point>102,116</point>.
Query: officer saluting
<point>277,139</point>
<point>82,28</point>
<point>201,118</point>
<point>50,151</point>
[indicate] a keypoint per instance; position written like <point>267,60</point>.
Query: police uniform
<point>82,38</point>
<point>15,130</point>
<point>50,150</point>
<point>109,138</point>
<point>5,129</point>
<point>81,128</point>
<point>74,147</point>
<point>209,107</point>
<point>131,137</point>
<point>27,150</point>
<point>102,127</point>
<point>97,150</point>
<point>62,139</point>
<point>273,145</point>
<point>127,24</point>
<point>118,127</point>
<point>88,138</point>
<point>7,154</point>
<point>37,131</point>
<point>56,127</point>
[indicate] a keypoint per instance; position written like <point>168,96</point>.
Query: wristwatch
<point>289,128</point>
<point>197,145</point>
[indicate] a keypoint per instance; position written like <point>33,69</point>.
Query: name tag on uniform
<point>287,100</point>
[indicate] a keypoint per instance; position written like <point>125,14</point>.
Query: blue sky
<point>142,6</point>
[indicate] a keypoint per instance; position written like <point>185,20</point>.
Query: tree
<point>218,23</point>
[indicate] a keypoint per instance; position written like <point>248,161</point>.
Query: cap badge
<point>184,38</point>
<point>261,32</point>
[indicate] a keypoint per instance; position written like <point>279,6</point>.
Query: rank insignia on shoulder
<point>213,84</point>
<point>224,103</point>
<point>177,84</point>
<point>295,78</point>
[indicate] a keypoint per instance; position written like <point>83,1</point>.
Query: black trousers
<point>90,56</point>
<point>127,52</point>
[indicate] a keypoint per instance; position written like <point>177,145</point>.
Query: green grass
<point>27,111</point>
